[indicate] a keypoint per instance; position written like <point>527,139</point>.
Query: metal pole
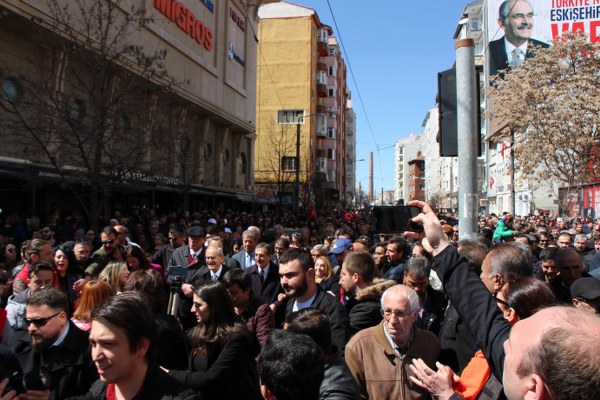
<point>297,186</point>
<point>466,114</point>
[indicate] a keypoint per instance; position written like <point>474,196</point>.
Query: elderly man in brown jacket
<point>379,357</point>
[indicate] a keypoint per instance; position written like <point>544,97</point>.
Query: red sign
<point>186,21</point>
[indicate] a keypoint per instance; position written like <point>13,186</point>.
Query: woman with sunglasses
<point>10,257</point>
<point>519,298</point>
<point>221,363</point>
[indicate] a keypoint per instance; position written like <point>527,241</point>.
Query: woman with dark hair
<point>519,298</point>
<point>136,259</point>
<point>68,272</point>
<point>10,257</point>
<point>221,363</point>
<point>172,350</point>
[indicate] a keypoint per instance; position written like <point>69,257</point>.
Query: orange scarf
<point>473,378</point>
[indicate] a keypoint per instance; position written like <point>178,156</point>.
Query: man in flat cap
<point>586,294</point>
<point>191,258</point>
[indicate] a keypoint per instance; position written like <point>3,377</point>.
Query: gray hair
<point>402,292</point>
<point>513,257</point>
<point>419,267</point>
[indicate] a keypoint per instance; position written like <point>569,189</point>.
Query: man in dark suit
<point>214,270</point>
<point>191,258</point>
<point>55,345</point>
<point>264,275</point>
<point>297,277</point>
<point>516,19</point>
<point>245,257</point>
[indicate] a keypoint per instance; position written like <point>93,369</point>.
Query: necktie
<point>249,260</point>
<point>262,276</point>
<point>215,277</point>
<point>516,57</point>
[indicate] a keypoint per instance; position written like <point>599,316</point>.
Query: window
<point>208,151</point>
<point>76,111</point>
<point>331,92</point>
<point>331,154</point>
<point>288,163</point>
<point>124,125</point>
<point>290,116</point>
<point>331,70</point>
<point>331,133</point>
<point>323,36</point>
<point>10,91</point>
<point>333,51</point>
<point>322,78</point>
<point>226,157</point>
<point>243,163</point>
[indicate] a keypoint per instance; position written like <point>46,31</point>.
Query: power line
<point>339,34</point>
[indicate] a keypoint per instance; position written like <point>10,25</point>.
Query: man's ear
<point>536,388</point>
<point>511,316</point>
<point>266,393</point>
<point>143,346</point>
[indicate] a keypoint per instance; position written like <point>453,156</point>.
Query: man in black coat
<point>516,19</point>
<point>123,339</point>
<point>55,346</point>
<point>264,275</point>
<point>191,258</point>
<point>297,275</point>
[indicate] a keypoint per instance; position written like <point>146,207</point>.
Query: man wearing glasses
<point>379,357</point>
<point>176,239</point>
<point>55,350</point>
<point>110,250</point>
<point>516,19</point>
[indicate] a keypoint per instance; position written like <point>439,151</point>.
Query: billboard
<point>535,22</point>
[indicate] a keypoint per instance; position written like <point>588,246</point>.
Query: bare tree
<point>91,101</point>
<point>277,171</point>
<point>550,110</point>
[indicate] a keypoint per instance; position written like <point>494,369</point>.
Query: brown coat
<point>379,373</point>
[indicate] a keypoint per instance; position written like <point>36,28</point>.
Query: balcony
<point>322,49</point>
<point>321,109</point>
<point>322,90</point>
<point>322,67</point>
<point>321,153</point>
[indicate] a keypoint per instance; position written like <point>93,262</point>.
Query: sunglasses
<point>39,322</point>
<point>108,241</point>
<point>499,300</point>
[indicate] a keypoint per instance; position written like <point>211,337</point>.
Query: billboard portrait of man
<point>516,18</point>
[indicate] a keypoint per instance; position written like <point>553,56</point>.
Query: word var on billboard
<point>186,21</point>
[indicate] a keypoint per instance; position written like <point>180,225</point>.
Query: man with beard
<point>110,250</point>
<point>432,303</point>
<point>55,347</point>
<point>297,278</point>
<point>379,357</point>
<point>163,255</point>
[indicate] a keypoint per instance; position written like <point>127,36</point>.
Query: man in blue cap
<point>340,250</point>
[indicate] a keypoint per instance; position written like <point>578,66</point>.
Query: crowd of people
<point>223,305</point>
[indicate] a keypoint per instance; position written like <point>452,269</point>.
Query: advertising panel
<point>514,27</point>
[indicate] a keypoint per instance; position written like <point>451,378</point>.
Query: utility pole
<point>297,182</point>
<point>466,114</point>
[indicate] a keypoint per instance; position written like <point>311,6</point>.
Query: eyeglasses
<point>107,241</point>
<point>39,322</point>
<point>387,314</point>
<point>499,300</point>
<point>522,16</point>
<point>171,239</point>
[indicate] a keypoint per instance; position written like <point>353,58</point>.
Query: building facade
<point>406,149</point>
<point>133,97</point>
<point>301,108</point>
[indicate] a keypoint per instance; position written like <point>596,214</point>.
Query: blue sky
<point>395,48</point>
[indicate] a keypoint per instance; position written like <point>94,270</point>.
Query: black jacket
<point>69,365</point>
<point>498,57</point>
<point>338,319</point>
<point>158,385</point>
<point>475,306</point>
<point>269,290</point>
<point>224,372</point>
<point>364,309</point>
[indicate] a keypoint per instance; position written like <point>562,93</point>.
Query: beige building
<point>301,109</point>
<point>160,97</point>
